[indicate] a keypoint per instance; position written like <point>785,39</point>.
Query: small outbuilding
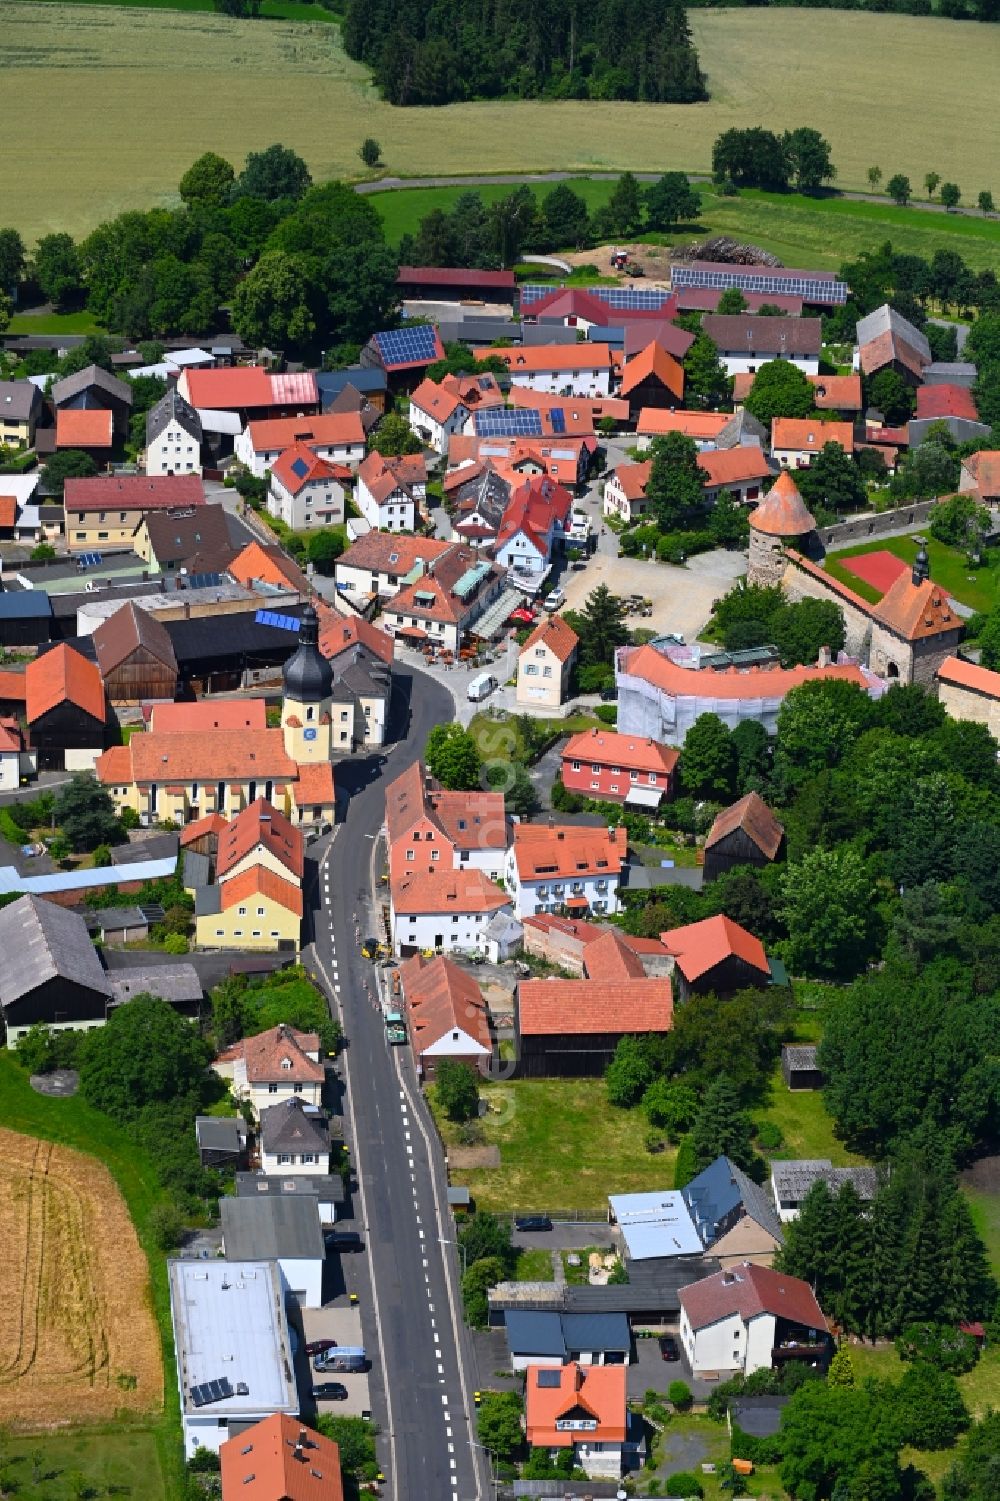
<point>799,1067</point>
<point>747,833</point>
<point>136,656</point>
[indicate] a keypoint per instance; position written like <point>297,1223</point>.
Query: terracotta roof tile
<point>441,998</point>
<point>541,851</point>
<point>210,756</point>
<point>209,714</point>
<point>916,611</point>
<point>262,882</point>
<point>984,469</point>
<point>633,752</point>
<point>587,410</point>
<point>267,1053</point>
<point>632,479</point>
<point>261,824</point>
<point>299,466</point>
<point>750,1290</point>
<point>338,632</point>
<point>313,787</point>
<point>8,509</point>
<point>447,891</point>
<point>533,358</point>
<point>84,427</point>
<point>945,401</point>
<point>246,387</point>
<point>595,1391</point>
<point>965,674</point>
<point>260,564</point>
<point>264,1463</point>
<point>13,685</point>
<point>548,1008</point>
<point>134,492</point>
<point>809,434</point>
<point>699,947</point>
<point>436,401</point>
<point>63,676</point>
<point>838,393</point>
<point>654,363</point>
<point>333,429</point>
<point>212,823</point>
<point>555,633</point>
<point>609,957</point>
<point>783,512</point>
<point>734,466</point>
<point>383,552</point>
<point>761,682</point>
<point>655,421</point>
<point>754,817</point>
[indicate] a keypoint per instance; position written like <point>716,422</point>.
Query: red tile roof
<point>10,735</point>
<point>333,429</point>
<point>456,276</point>
<point>589,1392</point>
<point>984,469</point>
<point>531,359</point>
<point>8,510</point>
<point>548,1008</point>
<point>258,564</point>
<point>266,1463</point>
<point>571,304</point>
<point>609,957</point>
<point>338,632</point>
<point>632,752</point>
<point>313,787</point>
<point>209,714</point>
<point>945,401</point>
<point>654,363</point>
<point>641,327</point>
<point>261,825</point>
<point>212,823</point>
<point>755,682</point>
<point>809,434</point>
<point>734,466</point>
<point>247,387</point>
<point>435,400</point>
<point>382,476</point>
<point>468,820</point>
<point>754,817</point>
<point>783,512</point>
<point>442,998</point>
<point>13,685</point>
<point>541,851</point>
<point>580,410</point>
<point>916,611</point>
<point>84,427</point>
<point>62,676</point>
<point>535,506</point>
<point>965,674</point>
<point>262,882</point>
<point>134,492</point>
<point>555,633</point>
<point>209,756</point>
<point>632,479</point>
<point>300,466</point>
<point>655,421</point>
<point>386,552</point>
<point>838,393</point>
<point>279,1054</point>
<point>447,891</point>
<point>699,947</point>
<point>474,391</point>
<point>750,1290</point>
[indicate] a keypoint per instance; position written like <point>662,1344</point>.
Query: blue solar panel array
<point>625,299</point>
<point>762,279</point>
<point>204,580</point>
<point>508,422</point>
<point>280,622</point>
<point>408,346</point>
<point>89,560</point>
<point>558,417</point>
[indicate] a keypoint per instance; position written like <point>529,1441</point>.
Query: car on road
<point>669,1348</point>
<point>343,1240</point>
<point>317,1346</point>
<point>533,1222</point>
<point>329,1391</point>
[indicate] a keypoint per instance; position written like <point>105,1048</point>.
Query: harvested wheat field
<point>78,1340</point>
<point>102,109</point>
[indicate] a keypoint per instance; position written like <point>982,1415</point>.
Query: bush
<point>769,1136</point>
<point>684,1483</point>
<point>204,1462</point>
<point>176,943</point>
<point>937,1344</point>
<point>679,1395</point>
<point>563,801</point>
<point>166,1224</point>
<point>607,713</point>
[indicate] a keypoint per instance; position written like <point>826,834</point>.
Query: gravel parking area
<point>682,597</point>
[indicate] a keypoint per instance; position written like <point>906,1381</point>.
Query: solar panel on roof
<point>207,1392</point>
<point>503,422</point>
<point>300,468</point>
<point>558,417</point>
<point>761,279</point>
<point>632,299</point>
<point>408,346</point>
<point>279,622</point>
<point>204,580</point>
<point>534,291</point>
<point>550,1377</point>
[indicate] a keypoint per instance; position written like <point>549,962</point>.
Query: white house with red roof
<point>251,391</point>
<point>281,1064</point>
<point>390,491</point>
<point>545,664</point>
<point>436,413</point>
<point>567,866</point>
<point>447,600</point>
<point>338,437</point>
<point>306,490</point>
<point>534,526</point>
<point>582,369</point>
<point>748,1317</point>
<point>443,911</point>
<point>380,564</point>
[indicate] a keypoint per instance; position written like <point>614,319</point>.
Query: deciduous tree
<point>675,487</point>
<point>452,757</point>
<point>779,390</point>
<point>208,182</point>
<point>457,1090</point>
<point>146,1055</point>
<point>899,189</point>
<point>671,201</point>
<point>828,912</point>
<point>276,172</point>
<point>708,759</point>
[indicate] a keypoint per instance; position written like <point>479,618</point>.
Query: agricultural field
<point>235,86</point>
<point>78,1338</point>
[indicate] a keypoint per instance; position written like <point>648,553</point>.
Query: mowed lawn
<point>119,1461</point>
<point>978,588</point>
<point>235,86</point>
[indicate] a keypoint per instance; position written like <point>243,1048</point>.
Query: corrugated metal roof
<point>81,880</point>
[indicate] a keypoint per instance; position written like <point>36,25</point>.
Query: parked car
<point>329,1391</point>
<point>669,1348</point>
<point>317,1346</point>
<point>554,600</point>
<point>343,1240</point>
<point>533,1222</point>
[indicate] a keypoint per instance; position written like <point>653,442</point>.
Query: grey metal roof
<point>950,373</point>
<point>172,408</point>
<point>158,847</point>
<point>40,941</point>
<point>220,1133</point>
<point>171,982</point>
<point>116,919</point>
<point>291,1127</point>
<point>459,1197</point>
<point>596,1331</point>
<point>93,375</point>
<point>742,431</point>
<point>794,1178</point>
<point>207,899</point>
<point>885,320</point>
<point>279,1227</point>
<point>18,399</point>
<point>325,1186</point>
<point>652,1286</point>
<point>197,873</point>
<point>531,1333</point>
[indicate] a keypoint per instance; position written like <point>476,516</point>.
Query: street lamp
<point>462,1250</point>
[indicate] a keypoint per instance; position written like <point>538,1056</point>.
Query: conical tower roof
<point>308,676</point>
<point>782,512</point>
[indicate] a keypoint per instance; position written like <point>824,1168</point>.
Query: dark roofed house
<point>176,983</point>
<point>50,972</point>
<point>747,833</point>
<point>326,1191</point>
<point>735,1218</point>
<point>294,1138</point>
<point>136,656</point>
<point>791,1181</point>
<point>173,436</point>
<point>186,540</point>
<point>93,389</point>
<point>746,341</point>
<point>887,341</point>
<point>222,1140</point>
<point>799,1067</point>
<point>547,1337</point>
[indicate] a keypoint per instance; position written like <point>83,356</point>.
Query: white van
<point>481,687</point>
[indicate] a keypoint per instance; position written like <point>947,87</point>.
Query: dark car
<point>329,1391</point>
<point>669,1348</point>
<point>343,1240</point>
<point>317,1346</point>
<point>533,1222</point>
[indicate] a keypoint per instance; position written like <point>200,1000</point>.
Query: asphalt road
<point>421,1368</point>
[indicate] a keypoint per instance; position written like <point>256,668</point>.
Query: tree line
<point>522,49</point>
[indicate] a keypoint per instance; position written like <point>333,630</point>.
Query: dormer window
<point>286,1063</point>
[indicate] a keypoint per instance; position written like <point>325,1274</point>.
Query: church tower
<point>306,718</point>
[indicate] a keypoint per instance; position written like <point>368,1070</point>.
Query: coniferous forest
<point>525,49</point>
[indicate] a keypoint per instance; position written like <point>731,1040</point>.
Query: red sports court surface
<point>880,569</point>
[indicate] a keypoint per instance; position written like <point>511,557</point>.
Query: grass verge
<point>76,1124</point>
<point>113,1462</point>
<point>534,1265</point>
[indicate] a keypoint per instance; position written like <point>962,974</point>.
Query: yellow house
<point>260,836</point>
<point>105,511</point>
<point>546,663</point>
<point>254,910</point>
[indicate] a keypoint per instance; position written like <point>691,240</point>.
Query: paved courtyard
<point>682,597</point>
<point>342,1323</point>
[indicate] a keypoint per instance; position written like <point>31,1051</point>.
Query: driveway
<point>566,1235</point>
<point>344,1325</point>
